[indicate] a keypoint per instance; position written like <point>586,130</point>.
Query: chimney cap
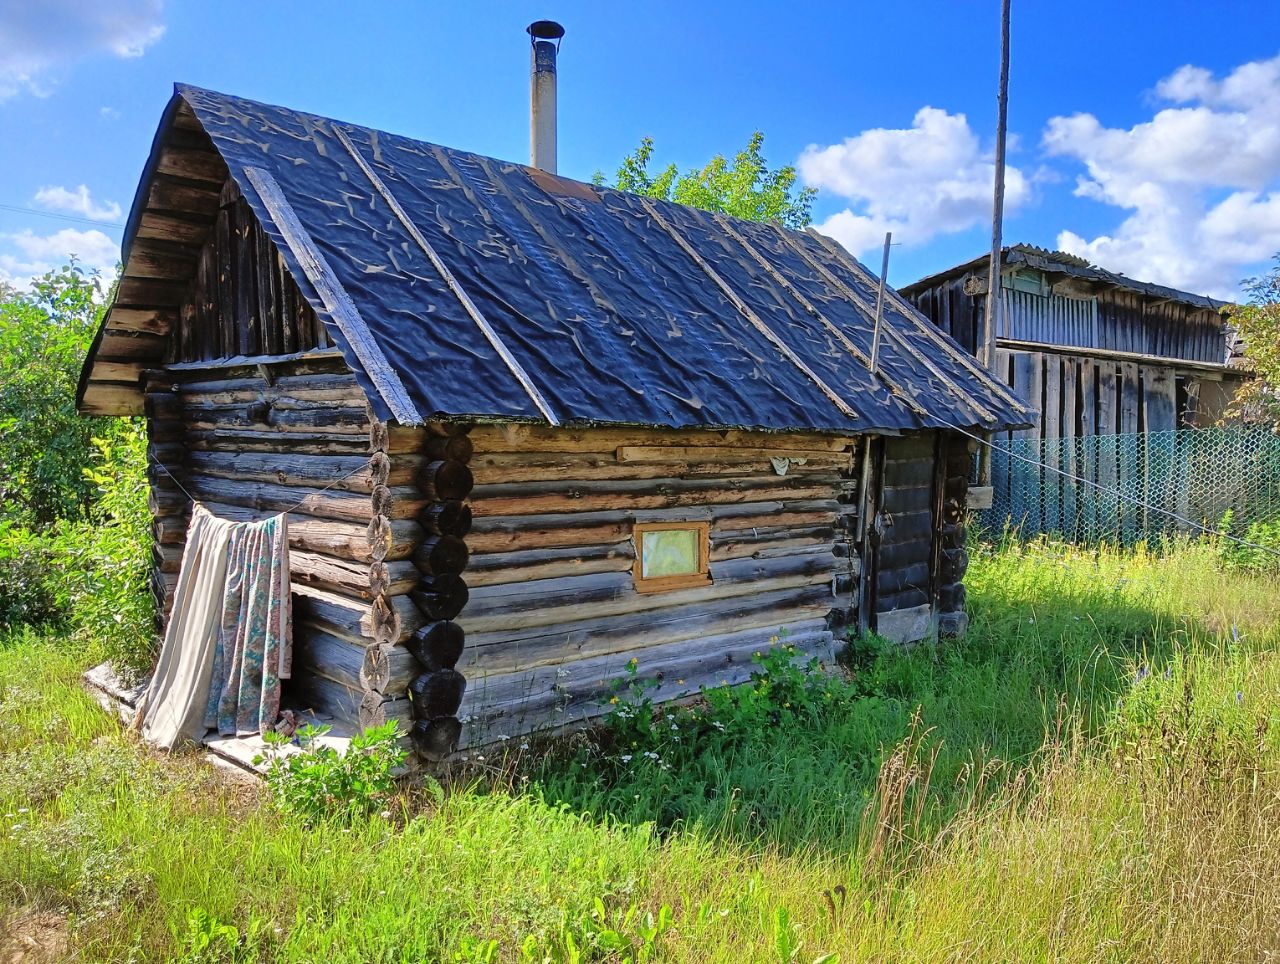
<point>544,30</point>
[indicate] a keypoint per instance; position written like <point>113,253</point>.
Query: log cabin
<point>527,431</point>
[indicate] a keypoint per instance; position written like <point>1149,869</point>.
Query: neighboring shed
<point>1095,352</point>
<point>526,429</point>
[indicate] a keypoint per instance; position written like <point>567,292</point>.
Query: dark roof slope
<point>459,285</point>
<point>1060,262</point>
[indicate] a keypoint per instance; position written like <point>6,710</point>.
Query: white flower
<point>625,758</point>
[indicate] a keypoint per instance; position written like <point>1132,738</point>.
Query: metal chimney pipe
<point>544,36</point>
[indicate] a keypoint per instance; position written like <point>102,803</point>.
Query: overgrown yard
<point>1092,773</point>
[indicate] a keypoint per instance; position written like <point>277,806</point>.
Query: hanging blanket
<point>228,644</point>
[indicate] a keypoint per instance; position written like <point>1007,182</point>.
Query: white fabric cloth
<point>228,642</point>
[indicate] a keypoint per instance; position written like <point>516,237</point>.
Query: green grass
<point>1092,773</point>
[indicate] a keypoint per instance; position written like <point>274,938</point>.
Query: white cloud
<point>27,255</point>
<point>918,182</point>
<point>1201,179</point>
<point>38,38</point>
<point>77,202</point>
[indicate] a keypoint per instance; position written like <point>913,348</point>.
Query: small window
<point>672,555</point>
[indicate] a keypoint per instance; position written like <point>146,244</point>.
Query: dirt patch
<point>33,937</point>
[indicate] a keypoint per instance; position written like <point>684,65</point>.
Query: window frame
<point>667,583</point>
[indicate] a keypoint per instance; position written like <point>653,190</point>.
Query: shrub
<point>1259,550</point>
<point>317,783</point>
<point>108,557</point>
<point>31,572</point>
<point>44,442</point>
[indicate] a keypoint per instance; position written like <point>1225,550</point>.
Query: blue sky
<point>1146,136</point>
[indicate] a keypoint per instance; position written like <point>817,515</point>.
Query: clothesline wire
<point>359,468</point>
<point>1116,492</point>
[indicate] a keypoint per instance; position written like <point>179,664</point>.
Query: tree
<point>44,443</point>
<point>1258,325</point>
<point>745,188</point>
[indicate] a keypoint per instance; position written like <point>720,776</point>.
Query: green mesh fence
<point>1196,474</point>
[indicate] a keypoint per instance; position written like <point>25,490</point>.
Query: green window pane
<point>669,552</point>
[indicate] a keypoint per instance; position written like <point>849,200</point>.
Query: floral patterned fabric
<point>253,651</point>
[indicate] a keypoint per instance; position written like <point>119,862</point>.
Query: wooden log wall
<point>297,437</point>
<point>439,592</point>
<point>169,504</point>
<point>554,617</point>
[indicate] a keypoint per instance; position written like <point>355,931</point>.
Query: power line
<point>60,217</point>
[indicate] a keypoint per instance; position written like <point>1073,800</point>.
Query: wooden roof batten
<point>745,310</point>
<point>822,319</point>
<point>337,302</point>
<point>447,276</point>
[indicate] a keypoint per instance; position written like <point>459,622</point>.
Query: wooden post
<point>884,272</point>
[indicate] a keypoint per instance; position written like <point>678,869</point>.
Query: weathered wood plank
<point>583,638</point>
<point>518,608</point>
<point>514,703</point>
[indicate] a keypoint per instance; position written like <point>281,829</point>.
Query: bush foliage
<point>74,526</point>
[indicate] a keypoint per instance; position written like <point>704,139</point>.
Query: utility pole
<point>997,207</point>
<point>991,317</point>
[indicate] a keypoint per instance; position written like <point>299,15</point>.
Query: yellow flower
<point>613,699</point>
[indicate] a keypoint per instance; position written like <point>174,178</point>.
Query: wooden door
<point>902,539</point>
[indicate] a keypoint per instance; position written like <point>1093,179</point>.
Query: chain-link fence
<point>1198,475</point>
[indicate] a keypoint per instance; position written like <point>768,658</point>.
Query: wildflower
<point>613,700</point>
<point>524,745</point>
<point>1168,672</point>
<point>625,758</point>
<point>1239,697</point>
<point>1142,673</point>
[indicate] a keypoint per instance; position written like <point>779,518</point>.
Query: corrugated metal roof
<point>494,290</point>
